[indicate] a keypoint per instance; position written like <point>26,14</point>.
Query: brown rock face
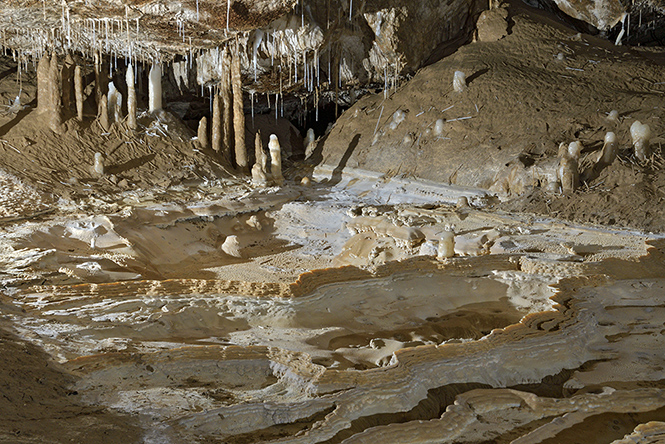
<point>492,25</point>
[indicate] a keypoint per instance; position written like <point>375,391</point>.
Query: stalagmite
<point>238,115</point>
<point>104,113</point>
<point>446,245</point>
<point>227,107</point>
<point>55,94</point>
<point>641,134</point>
<point>438,127</point>
<point>575,150</point>
<point>259,175</point>
<point>310,143</point>
<point>68,93</point>
<point>155,88</point>
<point>114,103</point>
<point>459,81</point>
<point>202,134</point>
<point>216,123</point>
<point>609,151</point>
<point>98,166</point>
<point>43,88</point>
<point>613,116</point>
<point>78,92</point>
<point>567,173</point>
<point>275,160</point>
<point>131,98</point>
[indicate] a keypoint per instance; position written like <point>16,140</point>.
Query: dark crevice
<point>279,430</point>
<point>432,407</point>
<point>438,399</point>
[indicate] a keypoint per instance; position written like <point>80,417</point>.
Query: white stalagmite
<point>238,115</point>
<point>216,123</point>
<point>459,81</point>
<point>446,245</point>
<point>155,88</point>
<point>613,116</point>
<point>575,150</point>
<point>114,103</point>
<point>609,151</point>
<point>78,91</point>
<point>275,159</point>
<point>98,166</point>
<point>131,98</point>
<point>438,127</point>
<point>202,134</point>
<point>259,175</point>
<point>310,143</point>
<point>641,134</point>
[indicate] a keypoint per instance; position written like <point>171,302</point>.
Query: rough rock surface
<point>530,91</point>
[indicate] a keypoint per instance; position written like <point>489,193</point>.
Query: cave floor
<point>228,313</point>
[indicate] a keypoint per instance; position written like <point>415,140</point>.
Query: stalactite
<point>131,98</point>
<point>238,114</point>
<point>78,92</point>
<point>216,123</point>
<point>202,134</point>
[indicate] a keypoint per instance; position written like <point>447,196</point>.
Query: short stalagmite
<point>275,160</point>
<point>641,135</point>
<point>98,166</point>
<point>609,151</point>
<point>459,81</point>
<point>131,98</point>
<point>568,173</point>
<point>155,88</point>
<point>202,134</point>
<point>216,138</point>
<point>446,245</point>
<point>78,91</point>
<point>238,116</point>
